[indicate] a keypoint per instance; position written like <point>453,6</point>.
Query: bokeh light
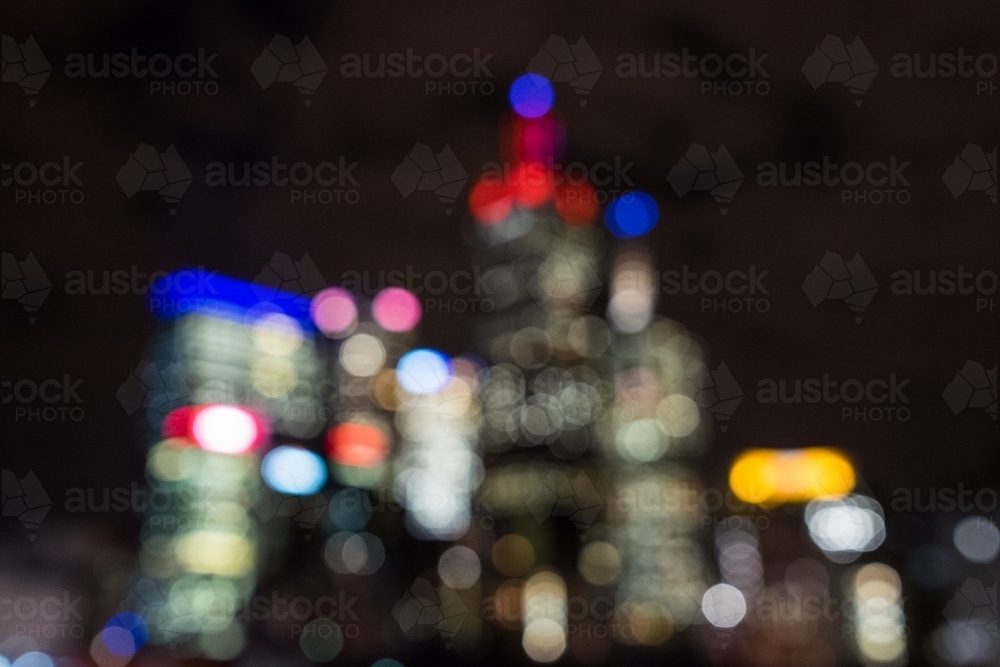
<point>459,567</point>
<point>293,471</point>
<point>277,334</point>
<point>848,525</point>
<point>724,606</point>
<point>424,371</point>
<point>576,203</point>
<point>226,429</point>
<point>531,95</point>
<point>513,555</point>
<point>396,309</point>
<point>362,355</point>
<point>124,634</point>
<point>356,444</point>
<point>632,215</point>
<point>977,538</point>
<point>334,311</point>
<point>321,640</point>
<point>490,202</point>
<point>350,509</point>
<point>354,553</point>
<point>599,563</point>
<point>776,476</point>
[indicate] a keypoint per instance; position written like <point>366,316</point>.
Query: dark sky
<point>649,123</point>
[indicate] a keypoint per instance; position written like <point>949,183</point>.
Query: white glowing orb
<point>423,371</point>
<point>225,429</point>
<point>724,606</point>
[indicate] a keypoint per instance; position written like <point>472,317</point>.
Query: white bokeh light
<point>724,606</point>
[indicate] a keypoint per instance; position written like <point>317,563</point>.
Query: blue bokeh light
<point>350,509</point>
<point>423,371</point>
<point>34,659</point>
<point>124,634</point>
<point>293,471</point>
<point>531,95</point>
<point>632,215</point>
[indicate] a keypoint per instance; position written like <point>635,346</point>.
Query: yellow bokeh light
<point>215,552</point>
<point>776,476</point>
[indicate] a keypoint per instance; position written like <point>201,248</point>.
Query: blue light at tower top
<point>531,95</point>
<point>632,215</point>
<point>202,292</point>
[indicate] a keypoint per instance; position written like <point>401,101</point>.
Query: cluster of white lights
<point>845,527</point>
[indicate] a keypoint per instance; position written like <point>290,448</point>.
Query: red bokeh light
<point>577,203</point>
<point>359,445</point>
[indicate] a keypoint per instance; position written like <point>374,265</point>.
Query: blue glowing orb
<point>632,215</point>
<point>293,471</point>
<point>531,95</point>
